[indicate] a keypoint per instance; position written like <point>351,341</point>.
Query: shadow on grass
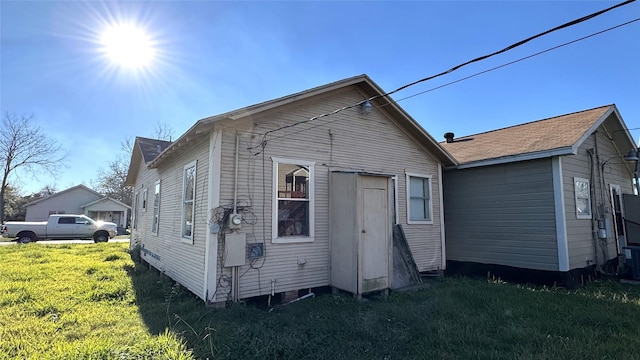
<point>456,318</point>
<point>164,305</point>
<point>156,296</point>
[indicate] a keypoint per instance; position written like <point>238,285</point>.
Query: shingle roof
<point>534,137</point>
<point>151,148</point>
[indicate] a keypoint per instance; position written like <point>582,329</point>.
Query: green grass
<point>92,302</point>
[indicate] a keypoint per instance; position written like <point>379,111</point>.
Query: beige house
<point>547,196</point>
<point>79,200</point>
<point>289,195</point>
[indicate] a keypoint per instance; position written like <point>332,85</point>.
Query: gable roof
<point>106,198</point>
<point>144,149</point>
<point>371,89</point>
<point>151,148</point>
<point>64,192</point>
<point>560,135</point>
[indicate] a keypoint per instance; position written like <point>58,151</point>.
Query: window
<point>188,200</point>
<point>83,221</point>
<point>583,198</point>
<point>136,200</point>
<point>293,204</point>
<point>156,207</point>
<point>419,204</point>
<point>67,220</point>
<point>144,200</point>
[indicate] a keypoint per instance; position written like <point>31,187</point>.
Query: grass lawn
<point>90,301</point>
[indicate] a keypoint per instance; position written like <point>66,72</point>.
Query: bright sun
<point>128,46</point>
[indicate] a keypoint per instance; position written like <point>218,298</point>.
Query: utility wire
<point>263,143</point>
<point>518,60</point>
<point>472,76</point>
<point>512,46</point>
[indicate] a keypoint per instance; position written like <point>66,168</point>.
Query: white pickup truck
<point>60,226</point>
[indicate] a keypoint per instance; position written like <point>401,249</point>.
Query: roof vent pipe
<point>449,137</point>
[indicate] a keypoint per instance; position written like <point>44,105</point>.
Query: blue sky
<point>212,57</point>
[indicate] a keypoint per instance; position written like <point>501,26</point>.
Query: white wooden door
<point>374,246</point>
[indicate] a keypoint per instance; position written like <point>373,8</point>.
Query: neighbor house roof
<point>106,198</point>
<point>203,126</point>
<point>560,135</point>
<point>64,192</point>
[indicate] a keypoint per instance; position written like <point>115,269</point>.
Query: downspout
<point>602,212</point>
<point>235,278</point>
<point>213,200</point>
<point>635,173</point>
<point>443,243</point>
<point>594,231</point>
<point>235,177</point>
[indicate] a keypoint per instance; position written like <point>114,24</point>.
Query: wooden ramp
<point>405,271</point>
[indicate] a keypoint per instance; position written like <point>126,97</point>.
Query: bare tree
<point>110,181</point>
<point>25,146</point>
<point>163,131</point>
<point>14,202</point>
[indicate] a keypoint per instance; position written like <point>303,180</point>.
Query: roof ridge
<point>151,139</point>
<point>532,122</point>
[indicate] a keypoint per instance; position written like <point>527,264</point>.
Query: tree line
<point>26,149</point>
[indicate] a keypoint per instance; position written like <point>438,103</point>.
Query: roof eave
<point>134,164</point>
<point>206,124</point>
<point>567,150</point>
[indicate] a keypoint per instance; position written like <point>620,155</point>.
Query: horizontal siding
<point>581,242</point>
<point>183,262</point>
<point>502,215</point>
<point>348,141</point>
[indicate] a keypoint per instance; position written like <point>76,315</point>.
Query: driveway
<point>49,242</point>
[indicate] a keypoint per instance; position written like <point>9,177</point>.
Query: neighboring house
<point>79,200</point>
<point>274,198</point>
<point>545,196</point>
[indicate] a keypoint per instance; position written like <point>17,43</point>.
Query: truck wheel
<point>100,237</point>
<point>25,238</point>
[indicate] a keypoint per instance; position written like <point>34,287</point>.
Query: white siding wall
<point>616,171</point>
<point>183,262</point>
<point>69,202</point>
<point>348,141</point>
<point>502,215</point>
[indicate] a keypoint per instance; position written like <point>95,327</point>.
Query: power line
<point>470,76</point>
<point>263,143</point>
<point>519,60</point>
<point>512,46</point>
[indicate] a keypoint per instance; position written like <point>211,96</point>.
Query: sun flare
<point>128,46</point>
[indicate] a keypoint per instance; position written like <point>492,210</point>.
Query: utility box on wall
<point>361,217</point>
<point>235,249</point>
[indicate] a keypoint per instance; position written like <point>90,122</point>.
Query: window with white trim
<point>582,188</point>
<point>156,208</point>
<point>419,204</point>
<point>188,200</point>
<point>293,204</point>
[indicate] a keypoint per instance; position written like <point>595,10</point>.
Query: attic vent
<point>449,137</point>
<point>158,149</point>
